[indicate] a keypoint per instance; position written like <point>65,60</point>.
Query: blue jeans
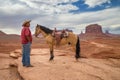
<point>26,49</point>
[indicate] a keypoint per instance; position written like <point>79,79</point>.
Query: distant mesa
<point>9,37</point>
<point>69,30</point>
<point>81,32</point>
<point>2,33</point>
<point>66,30</point>
<point>107,32</point>
<point>93,29</point>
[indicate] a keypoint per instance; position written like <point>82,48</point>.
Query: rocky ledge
<point>65,67</point>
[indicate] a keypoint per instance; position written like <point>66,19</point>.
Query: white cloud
<point>52,13</point>
<point>12,9</point>
<point>50,2</point>
<point>43,7</point>
<point>93,3</point>
<point>106,18</point>
<point>51,6</point>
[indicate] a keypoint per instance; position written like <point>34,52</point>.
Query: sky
<point>71,14</point>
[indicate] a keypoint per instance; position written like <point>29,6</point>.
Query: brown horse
<point>71,39</point>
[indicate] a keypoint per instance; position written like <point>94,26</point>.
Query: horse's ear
<point>37,24</point>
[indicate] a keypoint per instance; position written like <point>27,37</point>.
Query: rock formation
<point>81,32</point>
<point>93,29</point>
<point>2,33</point>
<point>15,54</point>
<point>107,32</point>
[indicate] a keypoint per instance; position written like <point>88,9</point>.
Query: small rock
<point>15,54</point>
<point>13,63</point>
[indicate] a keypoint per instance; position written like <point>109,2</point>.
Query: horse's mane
<point>45,29</point>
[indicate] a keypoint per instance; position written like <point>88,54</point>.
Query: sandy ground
<point>101,61</point>
<point>67,68</point>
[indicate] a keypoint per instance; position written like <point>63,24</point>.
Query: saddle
<point>59,35</point>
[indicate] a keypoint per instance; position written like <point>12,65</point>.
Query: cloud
<point>51,6</point>
<point>13,13</point>
<point>36,7</point>
<point>94,3</point>
<point>106,18</point>
<point>53,13</point>
<point>111,29</point>
<point>10,8</point>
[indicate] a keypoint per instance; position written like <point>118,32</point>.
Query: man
<point>26,40</point>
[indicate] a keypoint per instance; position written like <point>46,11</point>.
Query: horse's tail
<point>77,49</point>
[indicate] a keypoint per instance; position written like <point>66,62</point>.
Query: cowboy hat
<point>25,22</point>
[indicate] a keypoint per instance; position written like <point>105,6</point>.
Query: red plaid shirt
<point>25,32</point>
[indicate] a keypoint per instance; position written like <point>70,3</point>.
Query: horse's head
<point>37,30</point>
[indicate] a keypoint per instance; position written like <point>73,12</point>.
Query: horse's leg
<point>51,52</point>
<point>77,49</point>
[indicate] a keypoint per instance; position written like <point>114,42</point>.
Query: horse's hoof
<point>51,59</point>
<point>77,57</point>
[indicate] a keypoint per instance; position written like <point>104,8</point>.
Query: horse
<point>71,39</point>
